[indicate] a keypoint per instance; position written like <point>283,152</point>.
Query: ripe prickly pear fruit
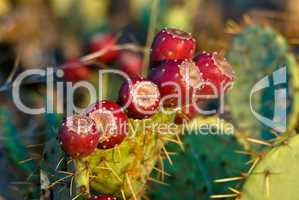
<point>172,44</point>
<point>78,136</point>
<point>130,63</point>
<point>75,71</point>
<point>142,97</point>
<point>177,81</point>
<point>111,123</point>
<point>217,73</point>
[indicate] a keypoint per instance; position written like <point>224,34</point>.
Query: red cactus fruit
<point>74,71</point>
<point>176,81</point>
<point>216,72</point>
<point>172,44</point>
<point>107,43</point>
<point>130,63</point>
<point>111,123</point>
<point>142,97</point>
<point>78,136</point>
<point>103,197</point>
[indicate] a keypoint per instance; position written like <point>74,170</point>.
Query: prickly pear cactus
<point>207,156</point>
<point>276,175</point>
<point>122,171</point>
<point>256,52</point>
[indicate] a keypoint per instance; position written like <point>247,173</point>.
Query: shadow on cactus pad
<point>207,156</point>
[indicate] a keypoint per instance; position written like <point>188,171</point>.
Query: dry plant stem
<point>150,35</point>
<point>99,53</point>
<point>105,86</point>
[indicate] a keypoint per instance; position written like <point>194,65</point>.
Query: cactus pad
<point>276,175</point>
<point>207,156</point>
<point>256,52</point>
<point>125,169</point>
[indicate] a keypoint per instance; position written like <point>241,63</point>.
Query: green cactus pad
<point>275,177</point>
<point>256,52</point>
<point>16,150</point>
<point>127,167</point>
<point>122,170</point>
<point>207,156</point>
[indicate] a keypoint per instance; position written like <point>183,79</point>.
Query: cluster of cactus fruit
<point>114,149</point>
